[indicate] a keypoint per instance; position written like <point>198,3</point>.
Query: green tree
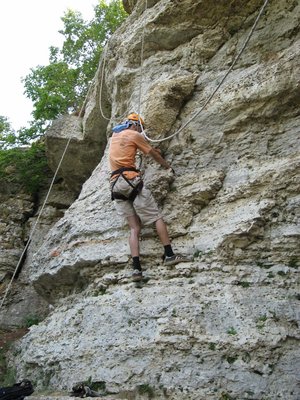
<point>56,89</point>
<point>52,90</point>
<point>24,167</point>
<point>60,87</point>
<point>7,134</point>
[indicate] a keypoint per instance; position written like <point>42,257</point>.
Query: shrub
<point>25,167</point>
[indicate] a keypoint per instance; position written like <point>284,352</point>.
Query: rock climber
<point>133,200</point>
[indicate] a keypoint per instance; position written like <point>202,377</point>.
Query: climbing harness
<point>135,188</point>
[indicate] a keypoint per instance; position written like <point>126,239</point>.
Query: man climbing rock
<point>132,199</point>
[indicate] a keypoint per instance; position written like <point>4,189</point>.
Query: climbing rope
<point>101,83</point>
<point>35,225</point>
<point>140,79</point>
<point>141,67</point>
<point>101,91</point>
<point>219,85</point>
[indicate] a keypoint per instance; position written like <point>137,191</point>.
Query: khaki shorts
<point>144,204</point>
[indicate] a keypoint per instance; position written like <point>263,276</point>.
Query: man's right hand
<point>158,158</point>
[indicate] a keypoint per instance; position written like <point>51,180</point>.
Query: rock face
<point>14,211</point>
<point>75,144</point>
<point>18,215</point>
<point>225,325</point>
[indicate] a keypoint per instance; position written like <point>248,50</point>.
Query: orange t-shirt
<point>123,148</point>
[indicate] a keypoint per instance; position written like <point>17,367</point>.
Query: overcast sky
<point>27,29</point>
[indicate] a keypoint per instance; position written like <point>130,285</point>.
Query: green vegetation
<point>25,167</point>
<point>212,346</point>
<point>146,389</point>
<point>231,359</point>
<point>99,291</point>
<point>262,318</point>
<point>31,320</point>
<point>260,264</point>
<point>231,331</point>
<point>274,316</point>
<point>282,273</point>
<point>7,339</point>
<point>198,253</point>
<point>260,322</point>
<point>7,375</point>
<point>56,89</point>
<point>244,284</point>
<point>294,263</point>
<point>97,386</point>
<point>226,396</point>
<point>60,87</point>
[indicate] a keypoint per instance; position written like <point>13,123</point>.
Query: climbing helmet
<point>135,117</point>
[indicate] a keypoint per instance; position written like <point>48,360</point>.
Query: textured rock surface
<point>18,216</point>
<point>79,141</point>
<point>14,211</point>
<point>225,325</point>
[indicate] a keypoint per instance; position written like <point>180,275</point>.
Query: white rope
<point>101,83</point>
<point>35,225</point>
<point>101,91</point>
<point>141,67</point>
<point>219,85</point>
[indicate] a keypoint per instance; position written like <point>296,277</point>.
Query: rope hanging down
<point>141,67</point>
<point>219,85</point>
<point>101,83</point>
<point>35,225</point>
<point>140,74</point>
<point>101,90</point>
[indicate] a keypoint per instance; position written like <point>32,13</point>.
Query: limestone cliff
<point>226,325</point>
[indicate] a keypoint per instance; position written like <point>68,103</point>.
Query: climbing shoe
<point>137,275</point>
<point>176,259</point>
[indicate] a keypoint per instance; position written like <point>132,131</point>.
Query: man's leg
<point>162,231</point>
<point>169,257</point>
<point>146,207</point>
<point>135,229</point>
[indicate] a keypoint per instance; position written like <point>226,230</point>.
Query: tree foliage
<point>26,168</point>
<point>7,134</point>
<point>61,86</point>
<point>56,89</point>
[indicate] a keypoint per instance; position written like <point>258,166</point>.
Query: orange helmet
<point>135,117</point>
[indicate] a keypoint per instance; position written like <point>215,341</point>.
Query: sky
<point>27,29</point>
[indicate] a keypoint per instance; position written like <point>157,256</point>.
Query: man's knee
<point>135,230</point>
<point>134,225</point>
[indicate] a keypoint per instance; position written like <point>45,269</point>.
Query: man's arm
<point>155,154</point>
